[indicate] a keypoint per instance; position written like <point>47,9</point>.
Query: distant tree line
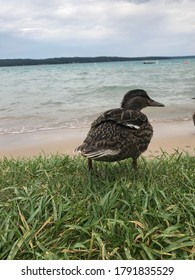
<point>68,60</point>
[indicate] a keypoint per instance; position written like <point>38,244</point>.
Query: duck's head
<point>137,99</point>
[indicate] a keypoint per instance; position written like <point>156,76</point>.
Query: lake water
<point>72,95</point>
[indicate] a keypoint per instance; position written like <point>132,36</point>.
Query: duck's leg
<point>134,163</point>
<point>90,166</point>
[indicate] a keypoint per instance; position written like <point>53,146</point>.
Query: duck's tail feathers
<point>78,150</point>
<point>98,154</point>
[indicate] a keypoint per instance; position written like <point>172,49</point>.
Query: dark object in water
<point>150,62</point>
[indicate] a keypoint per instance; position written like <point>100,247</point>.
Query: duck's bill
<point>155,103</point>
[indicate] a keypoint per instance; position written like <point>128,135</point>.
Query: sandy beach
<point>168,136</point>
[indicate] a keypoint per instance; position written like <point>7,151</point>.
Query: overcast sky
<point>56,28</point>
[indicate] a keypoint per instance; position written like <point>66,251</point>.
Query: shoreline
<point>168,137</point>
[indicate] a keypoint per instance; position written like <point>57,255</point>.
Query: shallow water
<point>72,95</point>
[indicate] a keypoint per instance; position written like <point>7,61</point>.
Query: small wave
<point>163,120</point>
<point>68,125</point>
<point>79,124</point>
<point>52,103</point>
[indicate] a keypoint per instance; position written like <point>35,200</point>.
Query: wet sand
<point>168,136</point>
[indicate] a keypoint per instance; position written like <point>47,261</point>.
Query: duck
<point>120,133</point>
<point>193,116</point>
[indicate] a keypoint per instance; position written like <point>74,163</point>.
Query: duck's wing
<point>108,135</point>
<point>132,119</point>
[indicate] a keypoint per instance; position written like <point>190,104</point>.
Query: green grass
<point>51,208</point>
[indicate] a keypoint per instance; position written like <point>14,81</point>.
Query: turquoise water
<point>72,95</point>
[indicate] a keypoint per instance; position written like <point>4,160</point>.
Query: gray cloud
<point>87,27</point>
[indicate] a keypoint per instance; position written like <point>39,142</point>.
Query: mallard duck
<point>120,133</point>
<point>193,116</point>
